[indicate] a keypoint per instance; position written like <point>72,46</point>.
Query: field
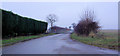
<point>107,39</point>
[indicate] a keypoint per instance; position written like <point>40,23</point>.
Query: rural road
<point>55,44</point>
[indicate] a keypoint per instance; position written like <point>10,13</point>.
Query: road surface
<point>55,44</point>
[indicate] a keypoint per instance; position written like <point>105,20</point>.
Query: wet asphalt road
<point>55,44</point>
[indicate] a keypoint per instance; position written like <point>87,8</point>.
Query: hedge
<point>15,25</point>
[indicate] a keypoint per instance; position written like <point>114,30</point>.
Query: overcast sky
<point>67,12</point>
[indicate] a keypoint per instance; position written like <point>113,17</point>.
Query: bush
<point>86,25</point>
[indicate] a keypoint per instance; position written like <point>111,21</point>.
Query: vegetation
<point>73,25</point>
<point>15,25</point>
<point>14,40</point>
<point>106,40</point>
<point>51,18</point>
<point>87,24</point>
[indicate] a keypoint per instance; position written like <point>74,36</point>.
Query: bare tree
<point>52,18</point>
<point>87,24</point>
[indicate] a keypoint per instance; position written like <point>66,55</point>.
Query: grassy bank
<point>11,41</point>
<point>110,40</point>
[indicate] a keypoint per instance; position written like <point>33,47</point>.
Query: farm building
<point>56,29</point>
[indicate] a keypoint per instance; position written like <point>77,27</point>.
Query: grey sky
<point>67,12</point>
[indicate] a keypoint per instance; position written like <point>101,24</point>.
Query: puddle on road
<point>63,39</point>
<point>67,50</point>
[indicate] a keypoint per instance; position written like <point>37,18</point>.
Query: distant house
<point>56,29</point>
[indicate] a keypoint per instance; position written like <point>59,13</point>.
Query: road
<point>55,44</point>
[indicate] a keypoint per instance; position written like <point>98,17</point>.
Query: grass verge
<point>106,42</point>
<point>11,41</point>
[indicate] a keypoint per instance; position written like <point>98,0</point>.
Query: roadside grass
<point>110,40</point>
<point>6,42</point>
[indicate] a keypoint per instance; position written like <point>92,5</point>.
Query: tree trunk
<point>51,24</point>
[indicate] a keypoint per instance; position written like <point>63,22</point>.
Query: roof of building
<point>56,27</point>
